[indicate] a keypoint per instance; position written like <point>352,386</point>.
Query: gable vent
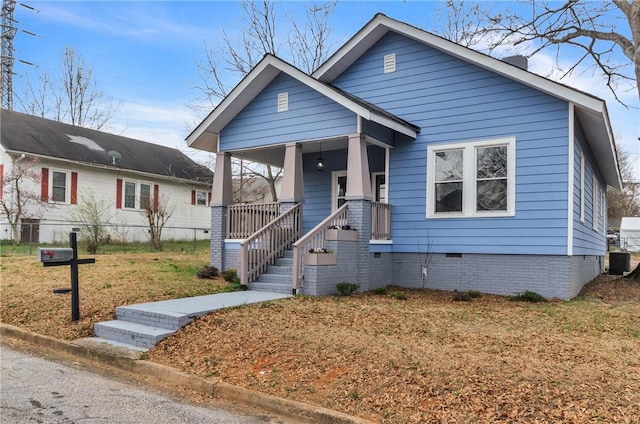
<point>390,63</point>
<point>283,102</point>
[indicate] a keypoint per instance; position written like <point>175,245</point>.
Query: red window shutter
<point>44,185</point>
<point>1,179</point>
<point>209,198</point>
<point>193,197</point>
<point>118,193</point>
<point>156,198</point>
<point>74,188</point>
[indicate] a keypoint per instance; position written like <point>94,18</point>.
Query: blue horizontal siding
<point>453,101</point>
<point>586,240</point>
<point>311,115</point>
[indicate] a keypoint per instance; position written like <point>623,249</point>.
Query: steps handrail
<point>268,243</point>
<point>315,236</point>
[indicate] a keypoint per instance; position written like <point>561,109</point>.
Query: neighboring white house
<point>630,233</point>
<point>124,173</point>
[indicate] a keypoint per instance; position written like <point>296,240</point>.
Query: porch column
<point>358,177</point>
<point>221,197</point>
<point>359,199</point>
<point>292,184</point>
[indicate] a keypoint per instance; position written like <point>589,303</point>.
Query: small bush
<point>528,296</point>
<point>474,294</point>
<point>461,296</point>
<point>398,295</point>
<point>208,272</point>
<point>382,291</point>
<point>347,289</point>
<point>230,275</point>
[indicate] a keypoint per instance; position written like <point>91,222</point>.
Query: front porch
<point>269,243</point>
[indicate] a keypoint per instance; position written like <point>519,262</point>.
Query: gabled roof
<point>590,110</point>
<point>45,138</point>
<point>205,135</point>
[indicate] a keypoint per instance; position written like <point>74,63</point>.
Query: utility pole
<point>8,33</point>
<point>6,66</point>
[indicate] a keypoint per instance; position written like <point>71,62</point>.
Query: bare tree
<point>92,216</point>
<point>306,47</point>
<point>157,211</point>
<point>596,28</point>
<point>73,97</point>
<point>625,202</point>
<point>20,198</point>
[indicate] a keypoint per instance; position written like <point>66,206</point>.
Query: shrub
<point>230,275</point>
<point>382,291</point>
<point>208,272</point>
<point>528,296</point>
<point>398,295</point>
<point>347,289</point>
<point>474,294</point>
<point>461,296</point>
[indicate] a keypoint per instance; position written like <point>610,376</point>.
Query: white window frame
<point>67,186</point>
<point>374,176</point>
<point>334,186</point>
<point>469,187</point>
<point>582,187</point>
<point>594,201</point>
<point>198,192</point>
<point>136,194</point>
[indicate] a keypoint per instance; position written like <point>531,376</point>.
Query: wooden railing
<point>314,239</point>
<point>244,220</point>
<point>262,248</point>
<point>380,221</point>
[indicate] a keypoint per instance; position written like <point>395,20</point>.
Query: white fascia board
<point>381,24</point>
<point>394,125</point>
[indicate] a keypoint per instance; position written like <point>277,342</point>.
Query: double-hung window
<point>471,179</point>
<point>58,186</point>
<point>137,195</point>
<point>201,198</point>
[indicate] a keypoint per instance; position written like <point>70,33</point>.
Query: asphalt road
<point>37,390</point>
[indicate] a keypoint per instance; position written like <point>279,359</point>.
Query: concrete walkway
<point>142,326</point>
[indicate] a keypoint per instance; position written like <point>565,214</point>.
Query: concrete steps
<point>278,277</point>
<point>142,326</point>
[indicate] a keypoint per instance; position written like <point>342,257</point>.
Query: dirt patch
<point>423,359</point>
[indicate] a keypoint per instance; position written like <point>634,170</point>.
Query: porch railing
<point>262,248</point>
<point>312,240</point>
<point>380,221</point>
<point>245,219</point>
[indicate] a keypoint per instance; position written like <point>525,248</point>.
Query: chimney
<point>520,61</point>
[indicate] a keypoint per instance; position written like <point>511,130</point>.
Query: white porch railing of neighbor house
<point>262,248</point>
<point>380,221</point>
<point>314,239</point>
<point>245,219</point>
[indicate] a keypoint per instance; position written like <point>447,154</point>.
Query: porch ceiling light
<point>320,161</point>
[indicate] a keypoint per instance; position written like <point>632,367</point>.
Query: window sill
<point>453,215</point>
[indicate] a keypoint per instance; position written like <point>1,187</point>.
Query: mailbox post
<point>67,256</point>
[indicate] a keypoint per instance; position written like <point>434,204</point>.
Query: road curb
<point>178,379</point>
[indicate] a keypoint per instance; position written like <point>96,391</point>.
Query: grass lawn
<point>404,356</point>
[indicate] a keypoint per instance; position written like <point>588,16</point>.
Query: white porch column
<point>221,197</point>
<point>222,190</point>
<point>358,178</point>
<point>292,183</point>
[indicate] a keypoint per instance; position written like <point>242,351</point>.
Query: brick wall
<point>551,276</point>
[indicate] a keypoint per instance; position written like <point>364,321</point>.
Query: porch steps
<point>278,277</point>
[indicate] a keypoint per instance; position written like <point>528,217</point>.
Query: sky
<point>143,55</point>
